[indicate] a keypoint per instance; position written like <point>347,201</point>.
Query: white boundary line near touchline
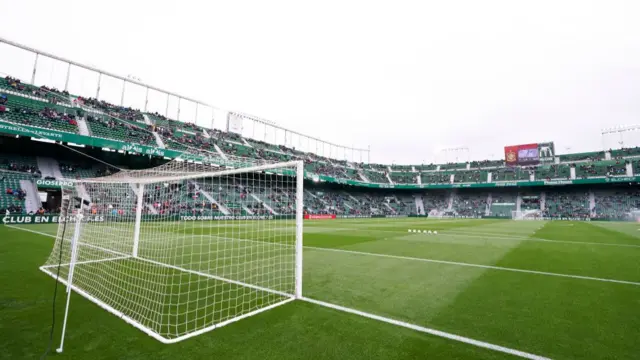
<point>580,277</point>
<point>164,340</point>
<point>516,238</point>
<point>475,265</point>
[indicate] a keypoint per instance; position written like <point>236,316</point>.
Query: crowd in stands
<point>530,202</point>
<point>53,115</point>
<point>51,94</point>
<point>453,166</point>
<point>50,117</point>
<point>470,205</point>
<point>403,177</point>
<point>486,163</point>
<point>20,167</point>
<point>467,176</point>
<point>119,112</point>
<point>434,201</point>
<point>17,193</point>
<point>435,178</point>
<point>11,209</point>
<point>586,170</point>
<point>555,171</point>
<point>132,133</point>
<point>376,177</point>
<point>623,152</point>
<point>592,156</point>
<point>567,204</point>
<point>616,204</point>
<point>16,84</point>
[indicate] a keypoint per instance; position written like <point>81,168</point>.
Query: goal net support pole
<point>74,256</point>
<point>299,221</point>
<point>136,229</point>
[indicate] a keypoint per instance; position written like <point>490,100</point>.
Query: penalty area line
<point>434,332</point>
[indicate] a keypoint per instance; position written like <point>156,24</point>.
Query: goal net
<point>526,215</point>
<point>184,248</point>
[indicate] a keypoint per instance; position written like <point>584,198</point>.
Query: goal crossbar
<point>131,178</point>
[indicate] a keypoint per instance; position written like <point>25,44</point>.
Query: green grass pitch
<point>563,290</point>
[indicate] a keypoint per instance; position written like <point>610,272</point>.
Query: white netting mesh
<point>211,246</point>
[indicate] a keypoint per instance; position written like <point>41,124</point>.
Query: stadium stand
<point>426,167</point>
<point>567,203</point>
<point>616,204</point>
<point>600,168</point>
<point>376,177</point>
<point>43,93</point>
<point>510,174</point>
<point>435,178</point>
<point>12,197</point>
<point>625,152</point>
<point>588,156</point>
<point>53,109</point>
<point>403,177</point>
<point>556,171</point>
<point>486,164</point>
<point>108,128</point>
<point>503,203</point>
<point>470,204</point>
<point>14,168</point>
<point>470,176</point>
<point>32,112</point>
<point>453,166</point>
<point>530,200</point>
<point>436,200</point>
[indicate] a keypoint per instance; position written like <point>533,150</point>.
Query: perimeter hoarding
<point>529,154</point>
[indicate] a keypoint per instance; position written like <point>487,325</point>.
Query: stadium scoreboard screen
<point>528,154</point>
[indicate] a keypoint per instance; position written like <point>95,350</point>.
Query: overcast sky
<point>407,78</point>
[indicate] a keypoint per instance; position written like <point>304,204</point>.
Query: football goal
<point>183,248</point>
<point>526,215</point>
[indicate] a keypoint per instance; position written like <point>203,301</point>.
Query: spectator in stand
<point>3,99</point>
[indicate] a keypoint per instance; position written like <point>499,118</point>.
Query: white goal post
<point>183,248</point>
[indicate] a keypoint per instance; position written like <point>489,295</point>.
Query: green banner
<point>51,219</point>
<point>232,217</point>
<point>32,131</point>
<point>47,219</point>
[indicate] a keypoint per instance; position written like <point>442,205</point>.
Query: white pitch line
<point>476,265</point>
<point>449,232</point>
<point>483,235</point>
<point>31,231</point>
<point>430,261</point>
<point>439,333</point>
<point>89,261</point>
